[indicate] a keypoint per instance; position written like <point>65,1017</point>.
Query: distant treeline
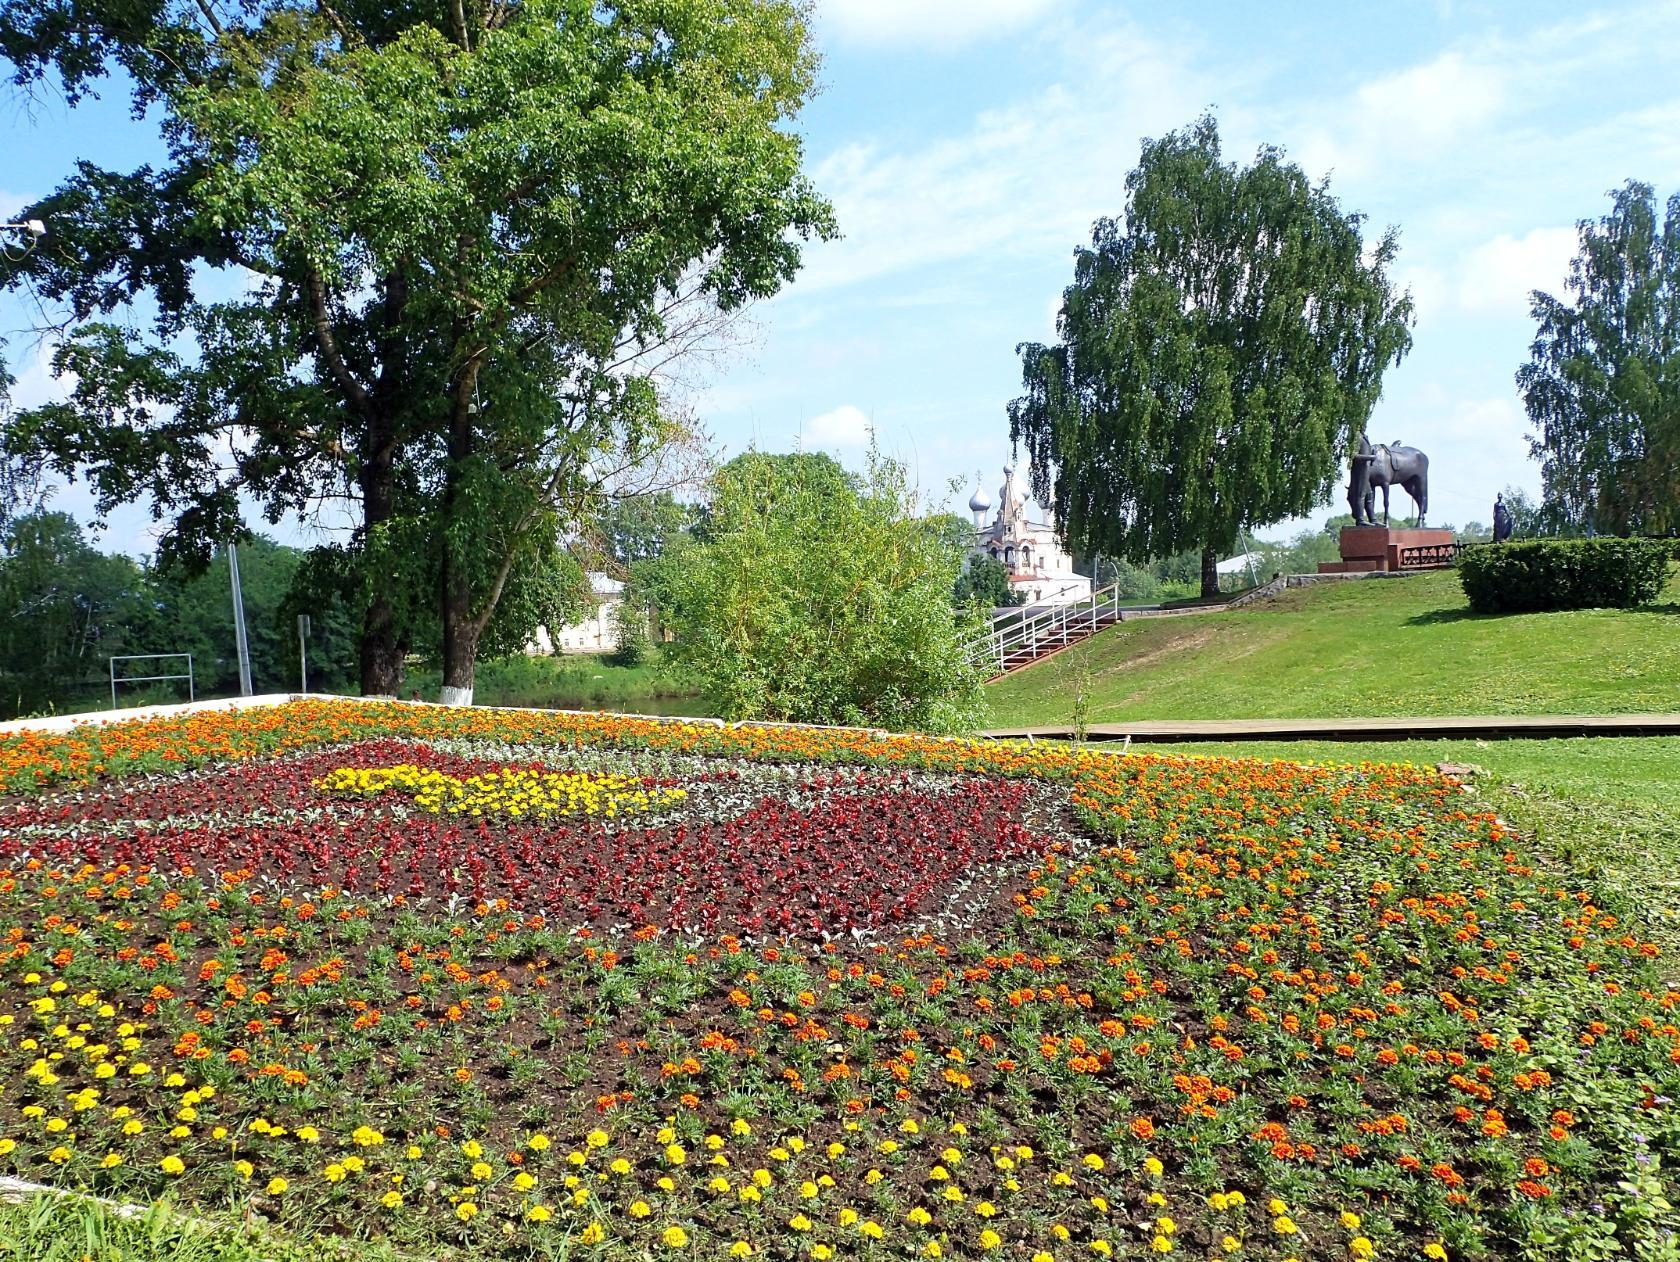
<point>66,608</point>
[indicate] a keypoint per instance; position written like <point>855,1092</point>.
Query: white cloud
<point>940,22</point>
<point>1419,113</point>
<point>844,426</point>
<point>1024,181</point>
<point>1498,275</point>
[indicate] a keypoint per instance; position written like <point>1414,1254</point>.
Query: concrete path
<point>1447,727</point>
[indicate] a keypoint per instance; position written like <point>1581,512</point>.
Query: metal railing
<point>147,679</point>
<point>1026,638</point>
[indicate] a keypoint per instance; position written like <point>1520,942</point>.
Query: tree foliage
<point>1221,345</point>
<point>985,582</point>
<point>454,235</point>
<point>1602,385</point>
<point>66,608</point>
<point>820,597</point>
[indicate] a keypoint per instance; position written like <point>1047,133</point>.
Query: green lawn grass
<point>577,681</point>
<point>1606,807</point>
<point>1379,647</point>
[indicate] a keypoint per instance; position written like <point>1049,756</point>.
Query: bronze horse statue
<point>1386,465</point>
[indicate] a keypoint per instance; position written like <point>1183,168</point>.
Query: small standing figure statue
<point>1502,522</point>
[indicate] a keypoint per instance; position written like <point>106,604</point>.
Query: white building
<point>1038,565</point>
<point>597,633</point>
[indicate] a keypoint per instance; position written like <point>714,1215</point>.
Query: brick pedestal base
<point>1368,548</point>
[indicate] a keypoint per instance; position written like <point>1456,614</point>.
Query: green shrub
<point>1543,574</point>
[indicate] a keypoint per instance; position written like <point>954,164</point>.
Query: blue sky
<point>968,145</point>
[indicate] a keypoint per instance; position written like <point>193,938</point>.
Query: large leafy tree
<point>443,240</point>
<point>1221,345</point>
<point>817,596</point>
<point>65,609</point>
<point>1602,385</point>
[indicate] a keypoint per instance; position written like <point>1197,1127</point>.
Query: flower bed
<point>514,982</point>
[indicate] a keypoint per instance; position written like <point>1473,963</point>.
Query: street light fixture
<point>30,231</point>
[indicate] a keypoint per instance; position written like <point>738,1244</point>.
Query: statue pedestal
<point>1367,549</point>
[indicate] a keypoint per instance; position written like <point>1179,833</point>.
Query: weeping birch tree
<point>1221,344</point>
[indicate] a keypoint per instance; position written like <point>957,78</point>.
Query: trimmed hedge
<point>1536,575</point>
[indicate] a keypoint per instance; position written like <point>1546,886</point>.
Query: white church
<point>1039,567</point>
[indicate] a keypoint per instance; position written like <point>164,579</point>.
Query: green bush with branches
<point>1537,575</point>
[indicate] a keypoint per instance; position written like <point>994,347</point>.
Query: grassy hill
<point>1397,646</point>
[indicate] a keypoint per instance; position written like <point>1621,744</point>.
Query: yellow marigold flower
<point>1235,1199</point>
<point>1156,1199</point>
<point>848,1216</point>
<point>245,1168</point>
<point>523,1181</point>
<point>391,1199</point>
<point>620,1167</point>
<point>539,1143</point>
<point>800,1223</point>
<point>741,1128</point>
<point>836,1150</point>
<point>889,1146</point>
<point>1284,1225</point>
<point>1062,1179</point>
<point>56,1124</point>
<point>872,1229</point>
<point>873,1177</point>
<point>989,1239</point>
<point>808,1190</point>
<point>675,1155</point>
<point>640,1209</point>
<point>413,1152</point>
<point>919,1216</point>
<point>1152,1165</point>
<point>1102,1248</point>
<point>1362,1248</point>
<point>1165,1226</point>
<point>796,1143</point>
<point>1276,1207</point>
<point>1160,1244</point>
<point>473,1149</point>
<point>1100,1204</point>
<point>366,1137</point>
<point>277,1186</point>
<point>762,1177</point>
<point>1230,1244</point>
<point>749,1194</point>
<point>1093,1161</point>
<point>465,1211</point>
<point>1435,1252</point>
<point>908,1126</point>
<point>58,1156</point>
<point>481,1171</point>
<point>334,1173</point>
<point>589,1235</point>
<point>110,1161</point>
<point>1218,1200</point>
<point>664,1184</point>
<point>822,1252</point>
<point>133,1126</point>
<point>950,1156</point>
<point>720,1185</point>
<point>1043,1256</point>
<point>740,1249</point>
<point>985,1209</point>
<point>172,1165</point>
<point>675,1237</point>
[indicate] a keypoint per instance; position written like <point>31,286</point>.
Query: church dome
<point>979,502</point>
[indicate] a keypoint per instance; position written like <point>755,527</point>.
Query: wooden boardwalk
<point>1444,727</point>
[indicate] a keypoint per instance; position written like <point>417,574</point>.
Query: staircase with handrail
<point>1011,643</point>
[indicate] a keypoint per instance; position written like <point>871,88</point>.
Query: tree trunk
<point>1210,572</point>
<point>460,629</point>
<point>381,651</point>
<point>460,639</point>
